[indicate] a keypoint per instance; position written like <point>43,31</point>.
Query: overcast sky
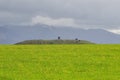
<point>104,14</point>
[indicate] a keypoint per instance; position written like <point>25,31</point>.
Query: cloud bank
<point>103,14</point>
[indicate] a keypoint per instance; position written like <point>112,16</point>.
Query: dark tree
<point>58,37</point>
<point>76,39</point>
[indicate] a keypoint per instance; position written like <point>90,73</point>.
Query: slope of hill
<point>55,42</point>
<point>14,34</point>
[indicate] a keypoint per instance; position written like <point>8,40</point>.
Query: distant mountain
<point>14,34</point>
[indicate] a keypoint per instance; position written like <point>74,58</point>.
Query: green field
<point>60,62</point>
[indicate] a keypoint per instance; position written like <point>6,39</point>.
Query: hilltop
<point>55,42</point>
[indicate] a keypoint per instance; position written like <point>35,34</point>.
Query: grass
<point>60,62</point>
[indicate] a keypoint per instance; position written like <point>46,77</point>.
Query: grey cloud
<point>85,12</point>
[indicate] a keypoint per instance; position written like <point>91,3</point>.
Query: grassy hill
<point>60,62</point>
<point>55,42</point>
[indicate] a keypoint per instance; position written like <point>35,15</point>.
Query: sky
<point>87,14</point>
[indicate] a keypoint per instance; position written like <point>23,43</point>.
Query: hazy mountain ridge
<point>14,34</point>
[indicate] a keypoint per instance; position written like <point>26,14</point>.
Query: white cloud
<point>117,31</point>
<point>54,22</point>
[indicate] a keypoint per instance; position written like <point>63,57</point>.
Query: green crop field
<point>60,62</point>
